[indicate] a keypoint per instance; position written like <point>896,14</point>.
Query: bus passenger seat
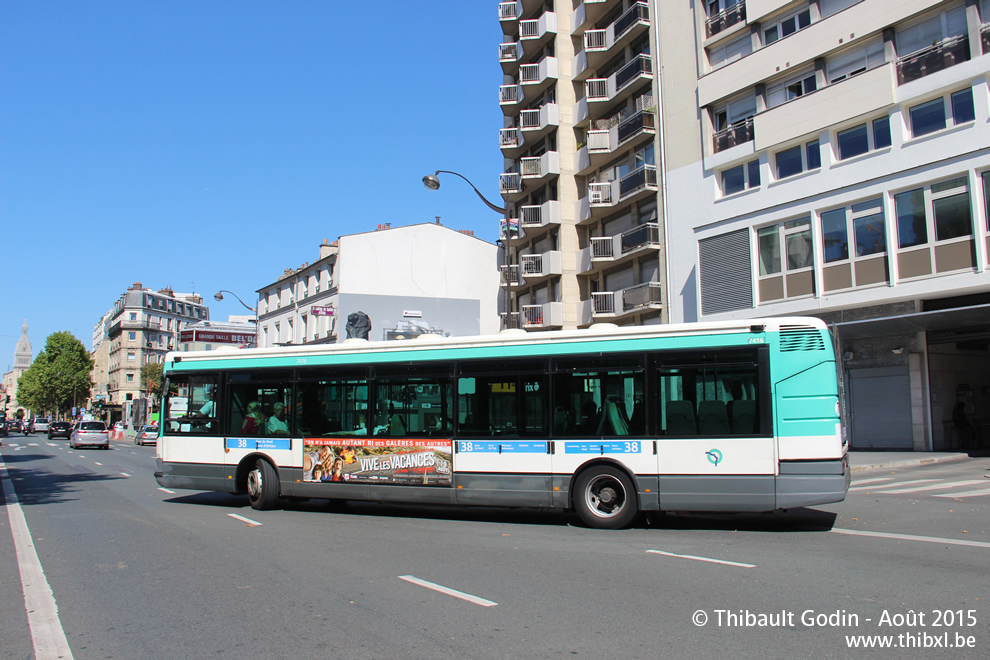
<point>680,418</point>
<point>743,416</point>
<point>713,418</point>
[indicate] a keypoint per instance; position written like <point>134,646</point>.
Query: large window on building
<point>949,110</point>
<point>791,88</point>
<point>854,245</point>
<point>797,159</point>
<point>786,257</point>
<point>741,177</point>
<point>730,52</point>
<point>935,228</point>
<point>787,26</point>
<point>863,138</point>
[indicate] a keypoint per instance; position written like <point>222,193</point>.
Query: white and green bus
<point>608,421</point>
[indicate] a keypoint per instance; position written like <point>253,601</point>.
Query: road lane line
<point>910,537</point>
<point>125,474</point>
<point>948,484</point>
<point>450,592</point>
<point>870,481</point>
<point>166,490</point>
<point>241,518</point>
<point>47,634</point>
<point>968,493</point>
<point>98,463</point>
<point>707,559</point>
<point>895,484</point>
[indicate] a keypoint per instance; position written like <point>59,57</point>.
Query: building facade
<point>584,226</point>
<point>392,283</point>
<point>140,328</point>
<point>832,158</point>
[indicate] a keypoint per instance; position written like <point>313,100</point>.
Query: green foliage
<point>58,376</point>
<point>151,379</point>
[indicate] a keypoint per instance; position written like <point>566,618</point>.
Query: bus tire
<point>605,498</point>
<point>262,485</point>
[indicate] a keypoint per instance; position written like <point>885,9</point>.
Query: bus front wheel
<point>605,498</point>
<point>262,485</point>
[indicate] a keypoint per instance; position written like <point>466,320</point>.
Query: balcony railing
<point>529,119</point>
<point>596,40</point>
<point>508,137</point>
<point>640,65</point>
<point>531,264</point>
<point>599,140</point>
<point>529,73</point>
<point>532,216</point>
<point>638,12</point>
<point>508,52</point>
<point>510,321</point>
<point>643,177</point>
<point>639,122</point>
<point>936,57</point>
<point>508,94</point>
<point>602,247</point>
<point>603,302</point>
<point>596,89</point>
<point>600,194</point>
<point>509,182</point>
<point>985,37</point>
<point>726,18</point>
<point>508,11</point>
<point>643,235</point>
<point>509,275</point>
<point>533,314</point>
<point>531,166</point>
<point>735,134</point>
<point>641,295</point>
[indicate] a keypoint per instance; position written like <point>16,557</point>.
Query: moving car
<point>59,430</point>
<point>40,425</point>
<point>90,434</point>
<point>147,435</point>
<point>119,426</point>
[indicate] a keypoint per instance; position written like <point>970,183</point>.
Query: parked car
<point>90,434</point>
<point>147,435</point>
<point>40,425</point>
<point>59,430</point>
<point>119,426</point>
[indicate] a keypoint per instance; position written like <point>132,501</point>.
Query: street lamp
<point>432,182</point>
<point>218,296</point>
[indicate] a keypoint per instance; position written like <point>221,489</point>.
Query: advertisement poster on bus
<point>420,462</point>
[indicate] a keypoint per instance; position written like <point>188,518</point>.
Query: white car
<point>147,435</point>
<point>40,425</point>
<point>90,434</point>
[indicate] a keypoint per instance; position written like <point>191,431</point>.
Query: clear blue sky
<point>210,144</point>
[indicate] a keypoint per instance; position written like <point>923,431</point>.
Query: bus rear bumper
<point>809,483</point>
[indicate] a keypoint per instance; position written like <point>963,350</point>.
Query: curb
<point>911,462</point>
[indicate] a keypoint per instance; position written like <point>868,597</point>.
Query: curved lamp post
<point>432,182</point>
<point>218,296</point>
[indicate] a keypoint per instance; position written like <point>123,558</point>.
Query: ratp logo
<point>714,456</point>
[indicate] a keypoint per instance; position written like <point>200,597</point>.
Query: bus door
<point>191,446</point>
<point>502,423</point>
<point>258,409</point>
<point>715,436</point>
<point>599,412</point>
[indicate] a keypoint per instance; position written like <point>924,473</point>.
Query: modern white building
<point>832,158</point>
<point>392,283</point>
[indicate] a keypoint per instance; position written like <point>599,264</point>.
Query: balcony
<point>733,135</point>
<point>509,95</point>
<point>510,320</point>
<point>509,11</point>
<point>547,315</point>
<point>509,55</point>
<point>600,45</point>
<point>606,251</point>
<point>931,59</point>
<point>603,90</point>
<point>603,142</point>
<point>509,276</point>
<point>726,19</point>
<point>643,178</point>
<point>536,267</point>
<point>588,12</point>
<point>532,125</point>
<point>535,219</point>
<point>534,79</point>
<point>536,169</point>
<point>615,304</point>
<point>535,33</point>
<point>985,37</point>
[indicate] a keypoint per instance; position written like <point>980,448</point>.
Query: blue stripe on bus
<point>259,443</point>
<point>597,447</point>
<point>508,447</point>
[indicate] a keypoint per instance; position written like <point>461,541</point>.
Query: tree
<point>59,376</point>
<point>151,379</point>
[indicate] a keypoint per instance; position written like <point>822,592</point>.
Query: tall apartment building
<point>140,328</point>
<point>832,158</point>
<point>584,228</point>
<point>392,283</point>
<point>680,161</point>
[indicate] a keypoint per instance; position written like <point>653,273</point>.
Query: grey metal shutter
<point>725,270</point>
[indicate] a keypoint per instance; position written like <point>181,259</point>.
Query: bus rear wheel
<point>605,498</point>
<point>262,485</point>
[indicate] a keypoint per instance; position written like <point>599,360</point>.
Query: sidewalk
<point>864,461</point>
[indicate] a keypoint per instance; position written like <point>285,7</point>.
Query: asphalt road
<point>141,573</point>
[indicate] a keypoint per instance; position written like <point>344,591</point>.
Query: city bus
<point>607,421</point>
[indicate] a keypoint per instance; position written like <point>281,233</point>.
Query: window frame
<point>806,149</point>
<point>785,85</point>
<point>779,23</point>
<point>853,212</point>
<point>870,127</point>
<point>750,174</point>
<point>949,110</point>
<point>929,206</point>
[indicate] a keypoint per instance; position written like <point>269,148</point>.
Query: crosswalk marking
<point>949,484</point>
<point>870,481</point>
<point>895,484</point>
<point>967,493</point>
